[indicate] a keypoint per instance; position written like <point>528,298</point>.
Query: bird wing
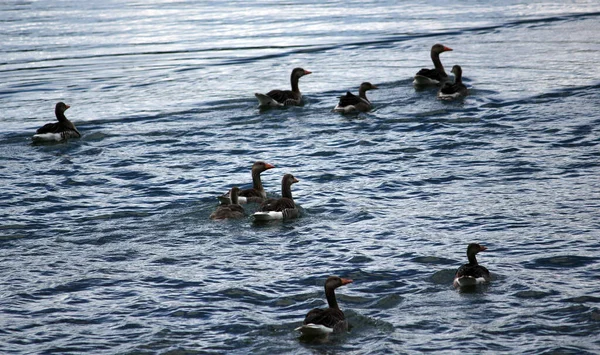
<point>228,211</point>
<point>349,99</point>
<point>250,193</point>
<point>281,96</point>
<point>48,128</point>
<point>431,74</point>
<point>277,204</point>
<point>475,271</point>
<point>448,89</point>
<point>328,317</point>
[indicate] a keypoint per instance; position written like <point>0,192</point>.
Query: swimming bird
<point>280,98</point>
<point>257,193</point>
<point>57,131</point>
<point>457,89</point>
<point>281,208</point>
<point>472,273</point>
<point>232,210</point>
<point>322,321</point>
<point>436,75</point>
<point>351,102</point>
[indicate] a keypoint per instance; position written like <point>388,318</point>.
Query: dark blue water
<point>106,243</point>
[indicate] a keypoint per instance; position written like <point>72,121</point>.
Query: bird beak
<point>295,181</point>
<point>269,166</point>
<point>346,281</point>
<point>306,72</point>
<point>447,49</point>
<point>482,248</point>
<point>67,107</point>
<point>374,87</point>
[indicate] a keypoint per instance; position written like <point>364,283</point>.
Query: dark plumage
<point>472,273</point>
<point>278,98</point>
<point>331,317</point>
<point>351,102</point>
<point>257,192</point>
<point>63,129</point>
<point>232,210</point>
<point>456,89</point>
<point>286,202</point>
<point>437,74</point>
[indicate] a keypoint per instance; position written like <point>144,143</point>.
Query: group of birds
<point>318,321</point>
<point>285,206</point>
<point>269,208</point>
<point>65,129</point>
<point>324,321</point>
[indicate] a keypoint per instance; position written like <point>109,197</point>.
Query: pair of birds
<point>324,321</point>
<point>270,208</point>
<point>281,98</point>
<point>351,102</point>
<point>438,76</point>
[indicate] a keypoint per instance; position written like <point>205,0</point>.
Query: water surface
<point>107,243</point>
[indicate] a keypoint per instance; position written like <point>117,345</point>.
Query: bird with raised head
<point>472,273</point>
<point>280,208</point>
<point>281,98</point>
<point>360,103</point>
<point>436,75</point>
<point>322,321</point>
<point>453,90</point>
<point>57,131</point>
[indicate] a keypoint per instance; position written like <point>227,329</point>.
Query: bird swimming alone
<point>257,193</point>
<point>232,210</point>
<point>436,75</point>
<point>351,102</point>
<point>472,273</point>
<point>323,321</point>
<point>57,131</point>
<point>453,90</point>
<point>281,208</point>
<point>281,98</point>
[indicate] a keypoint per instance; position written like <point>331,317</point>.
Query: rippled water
<point>107,246</point>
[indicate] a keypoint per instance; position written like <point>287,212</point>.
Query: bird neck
<point>286,191</point>
<point>234,197</point>
<point>362,93</point>
<point>256,183</point>
<point>294,80</point>
<point>437,63</point>
<point>472,259</point>
<point>330,295</point>
<point>457,78</point>
<point>60,115</point>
